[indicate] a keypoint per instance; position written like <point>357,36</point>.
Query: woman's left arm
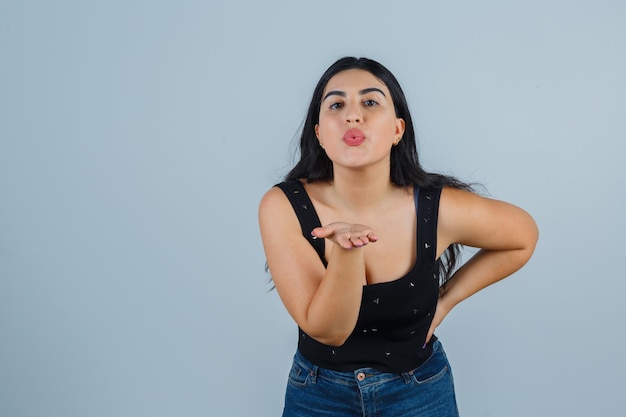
<point>505,234</point>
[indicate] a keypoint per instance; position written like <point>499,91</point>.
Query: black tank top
<point>395,316</point>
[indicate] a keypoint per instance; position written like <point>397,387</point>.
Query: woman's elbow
<point>532,236</point>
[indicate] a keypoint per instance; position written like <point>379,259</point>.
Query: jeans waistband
<point>362,376</point>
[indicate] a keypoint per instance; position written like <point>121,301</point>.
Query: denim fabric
<point>427,391</point>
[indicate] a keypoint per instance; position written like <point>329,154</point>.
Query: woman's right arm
<point>324,302</point>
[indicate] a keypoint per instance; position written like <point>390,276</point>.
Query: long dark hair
<point>314,164</point>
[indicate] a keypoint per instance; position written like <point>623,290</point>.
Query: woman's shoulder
<point>456,195</point>
<point>276,213</point>
<point>276,201</point>
<point>479,221</point>
<point>274,198</point>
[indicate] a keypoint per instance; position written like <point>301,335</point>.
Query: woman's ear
<point>400,126</point>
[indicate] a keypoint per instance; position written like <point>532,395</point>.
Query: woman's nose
<point>353,114</point>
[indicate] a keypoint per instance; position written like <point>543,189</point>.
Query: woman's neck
<point>360,189</point>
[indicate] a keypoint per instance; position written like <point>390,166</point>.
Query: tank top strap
<point>427,208</point>
<point>307,216</point>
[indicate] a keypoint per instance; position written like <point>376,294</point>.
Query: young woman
<point>361,244</point>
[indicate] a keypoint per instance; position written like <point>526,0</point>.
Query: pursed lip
<point>353,137</point>
<point>352,134</point>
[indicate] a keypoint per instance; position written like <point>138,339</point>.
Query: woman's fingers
<point>362,239</point>
<point>346,235</point>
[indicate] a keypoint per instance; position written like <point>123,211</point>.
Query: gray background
<point>137,137</point>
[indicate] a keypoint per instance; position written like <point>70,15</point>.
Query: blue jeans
<point>426,391</point>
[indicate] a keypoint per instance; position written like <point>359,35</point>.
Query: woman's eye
<point>335,106</point>
<point>370,103</point>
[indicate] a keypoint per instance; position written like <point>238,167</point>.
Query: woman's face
<point>357,121</point>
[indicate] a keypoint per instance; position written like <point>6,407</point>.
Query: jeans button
<point>360,376</point>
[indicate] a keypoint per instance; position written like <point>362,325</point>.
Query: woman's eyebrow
<point>372,89</point>
<point>362,92</point>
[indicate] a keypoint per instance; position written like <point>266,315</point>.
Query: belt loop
<point>407,376</point>
<point>313,373</point>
